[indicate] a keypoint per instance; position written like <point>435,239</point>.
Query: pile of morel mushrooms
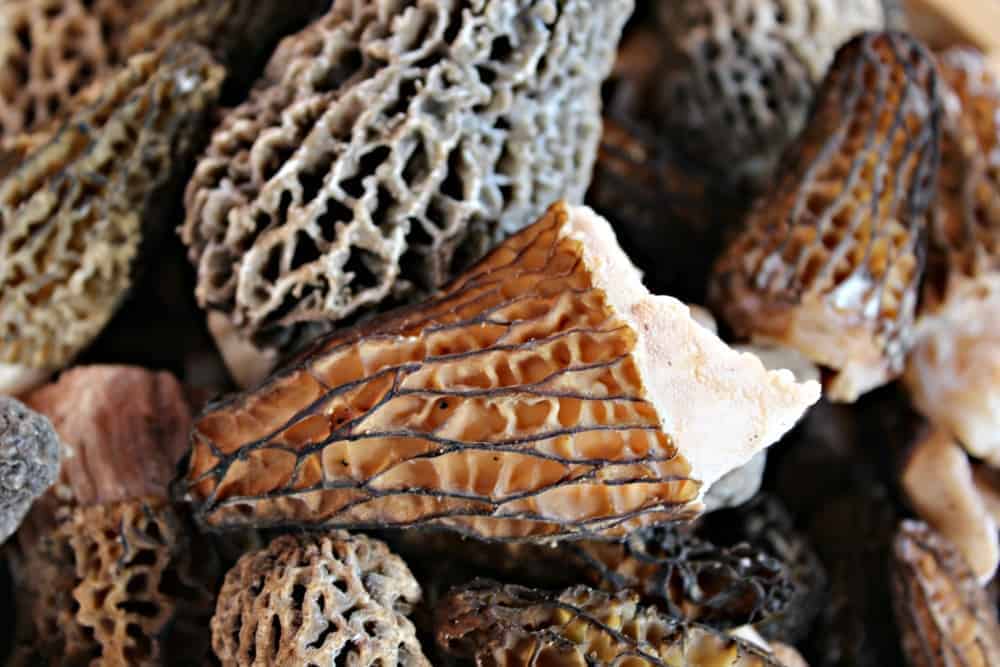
<point>526,333</point>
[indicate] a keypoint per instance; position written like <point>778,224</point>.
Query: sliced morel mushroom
<point>29,461</point>
<point>388,145</point>
<point>944,617</point>
<point>318,599</point>
<point>953,372</point>
<point>74,213</point>
<point>832,254</point>
<point>738,78</point>
<point>545,393</point>
<point>521,627</point>
<point>119,584</point>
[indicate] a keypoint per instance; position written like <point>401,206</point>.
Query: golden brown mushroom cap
<point>543,393</point>
<point>832,254</point>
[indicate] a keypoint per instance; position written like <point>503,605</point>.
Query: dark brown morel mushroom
<point>521,627</point>
<point>944,617</point>
<point>953,372</point>
<point>73,214</point>
<point>386,147</point>
<point>319,599</point>
<point>738,78</point>
<point>544,393</point>
<point>832,254</point>
<point>116,584</point>
<point>29,461</point>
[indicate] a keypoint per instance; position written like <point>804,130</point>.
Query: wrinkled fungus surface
<point>944,616</point>
<point>383,147</point>
<point>29,461</point>
<point>73,214</point>
<point>832,254</point>
<point>544,393</point>
<point>521,627</point>
<point>320,599</point>
<point>119,584</point>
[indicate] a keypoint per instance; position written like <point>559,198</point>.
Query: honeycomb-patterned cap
<point>120,584</point>
<point>511,626</point>
<point>320,599</point>
<point>739,76</point>
<point>74,212</point>
<point>389,144</point>
<point>944,616</point>
<point>832,254</point>
<point>544,393</point>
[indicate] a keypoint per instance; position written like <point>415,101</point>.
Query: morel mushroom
<point>953,372</point>
<point>75,212</point>
<point>545,393</point>
<point>50,50</point>
<point>738,78</point>
<point>938,481</point>
<point>384,146</point>
<point>29,461</point>
<point>521,627</point>
<point>318,600</point>
<point>944,617</point>
<point>832,254</point>
<point>119,584</point>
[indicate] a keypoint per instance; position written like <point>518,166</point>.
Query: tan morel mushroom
<point>511,626</point>
<point>832,254</point>
<point>118,584</point>
<point>544,393</point>
<point>953,372</point>
<point>944,617</point>
<point>387,146</point>
<point>938,482</point>
<point>318,599</point>
<point>50,50</point>
<point>738,78</point>
<point>74,213</point>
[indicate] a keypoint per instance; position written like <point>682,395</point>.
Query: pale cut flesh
<point>544,394</point>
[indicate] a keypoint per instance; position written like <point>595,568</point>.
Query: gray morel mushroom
<point>546,393</point>
<point>831,256</point>
<point>388,145</point>
<point>29,461</point>
<point>318,599</point>
<point>737,78</point>
<point>75,210</point>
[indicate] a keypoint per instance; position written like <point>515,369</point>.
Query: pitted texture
<point>73,215</point>
<point>384,145</point>
<point>832,254</point>
<point>690,578</point>
<point>511,406</point>
<point>29,461</point>
<point>52,49</point>
<point>739,77</point>
<point>520,627</point>
<point>965,228</point>
<point>120,584</point>
<point>945,618</point>
<point>321,599</point>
